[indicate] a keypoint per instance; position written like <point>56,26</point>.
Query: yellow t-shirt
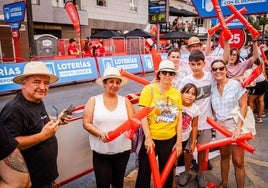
<point>163,119</point>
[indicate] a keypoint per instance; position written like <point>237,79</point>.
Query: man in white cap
<point>27,120</point>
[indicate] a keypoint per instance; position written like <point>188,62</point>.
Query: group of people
<point>183,94</point>
<point>89,50</point>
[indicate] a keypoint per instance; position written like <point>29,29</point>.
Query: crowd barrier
<point>78,69</point>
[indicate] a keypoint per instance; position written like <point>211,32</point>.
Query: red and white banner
<point>73,14</point>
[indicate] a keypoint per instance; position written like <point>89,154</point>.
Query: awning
<point>181,12</point>
<point>106,34</point>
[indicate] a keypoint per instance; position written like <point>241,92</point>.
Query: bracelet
<point>254,40</point>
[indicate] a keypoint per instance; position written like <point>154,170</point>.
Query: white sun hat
<point>166,65</point>
<point>35,68</point>
<point>112,72</point>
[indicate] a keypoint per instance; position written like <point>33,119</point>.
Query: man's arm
<point>14,172</point>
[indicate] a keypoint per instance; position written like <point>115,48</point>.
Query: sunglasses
<point>169,73</point>
<point>214,69</point>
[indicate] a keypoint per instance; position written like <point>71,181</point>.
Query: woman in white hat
<point>163,126</point>
<point>104,113</point>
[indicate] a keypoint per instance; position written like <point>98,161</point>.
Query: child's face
<point>197,67</point>
<point>188,97</point>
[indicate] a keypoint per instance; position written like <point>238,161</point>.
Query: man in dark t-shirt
<point>26,119</point>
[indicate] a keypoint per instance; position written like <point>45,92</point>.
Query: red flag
<point>73,15</point>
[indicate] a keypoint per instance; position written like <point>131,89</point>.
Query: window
<point>101,3</point>
<point>133,5</point>
<point>35,2</point>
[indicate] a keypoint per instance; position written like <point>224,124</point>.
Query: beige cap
<point>35,68</point>
<point>193,40</point>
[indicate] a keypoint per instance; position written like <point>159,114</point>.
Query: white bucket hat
<point>112,73</point>
<point>35,68</point>
<point>166,65</point>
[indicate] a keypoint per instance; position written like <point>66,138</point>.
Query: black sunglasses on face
<point>169,73</point>
<point>214,69</point>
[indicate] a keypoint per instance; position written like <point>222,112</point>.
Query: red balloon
<point>255,73</point>
<point>134,77</point>
<point>254,32</point>
<point>127,124</point>
<point>212,30</point>
<point>228,133</point>
<point>154,169</point>
<point>169,165</point>
<point>223,142</point>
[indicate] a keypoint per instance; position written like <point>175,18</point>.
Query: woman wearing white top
<point>102,114</point>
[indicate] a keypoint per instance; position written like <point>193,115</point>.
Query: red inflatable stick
<point>255,73</point>
<point>133,98</point>
<point>263,54</point>
<point>134,77</point>
<point>154,169</point>
<point>227,133</point>
<point>223,142</point>
<point>212,30</point>
<point>134,127</point>
<point>169,165</point>
<point>226,32</point>
<point>255,33</point>
<point>156,55</point>
<point>127,125</point>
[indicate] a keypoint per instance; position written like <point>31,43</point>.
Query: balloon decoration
<point>254,32</point>
<point>212,30</point>
<point>134,77</point>
<point>129,124</point>
<point>154,169</point>
<point>170,163</point>
<point>224,142</point>
<point>255,73</point>
<point>133,98</point>
<point>226,32</point>
<point>228,133</point>
<point>159,181</point>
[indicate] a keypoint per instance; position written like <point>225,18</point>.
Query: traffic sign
<point>14,12</point>
<point>15,25</point>
<point>205,8</point>
<point>237,40</point>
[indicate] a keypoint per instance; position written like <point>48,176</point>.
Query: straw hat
<point>112,73</point>
<point>166,65</point>
<point>35,68</point>
<point>193,40</point>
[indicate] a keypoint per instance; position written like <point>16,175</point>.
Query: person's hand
<point>50,129</point>
<point>103,136</point>
<point>237,132</point>
<point>178,148</point>
<point>149,144</point>
<point>66,119</point>
<point>192,148</point>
